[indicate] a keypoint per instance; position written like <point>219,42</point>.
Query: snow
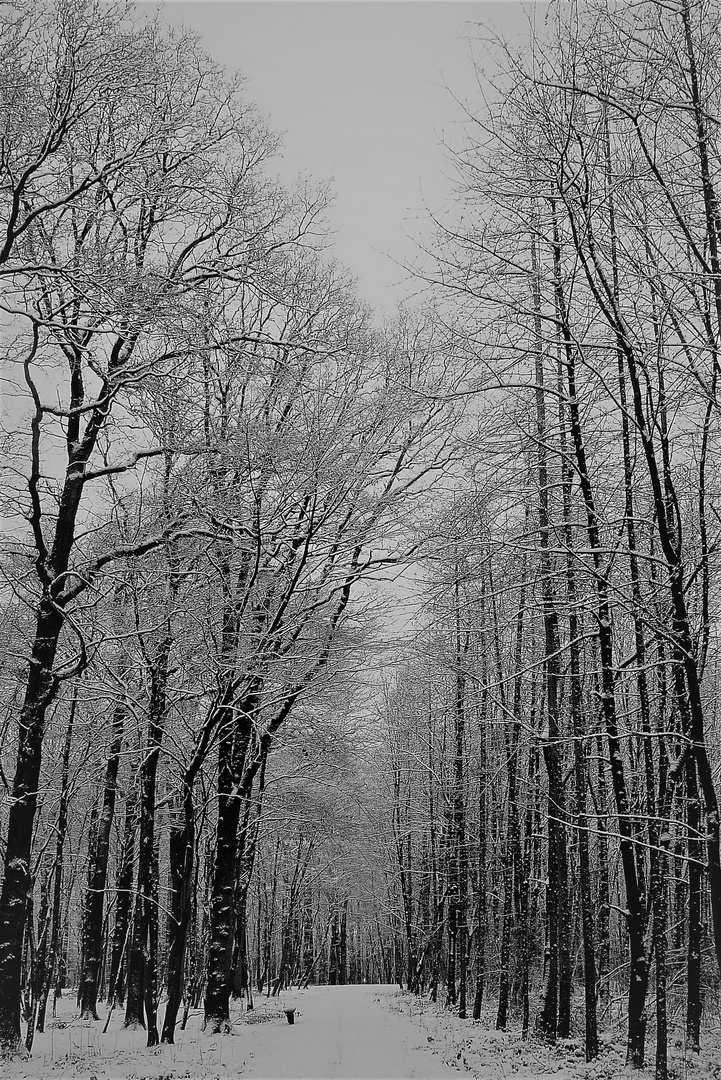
<point>340,1033</point>
<point>347,1031</point>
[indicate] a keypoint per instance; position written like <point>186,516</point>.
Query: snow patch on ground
<point>340,1033</point>
<point>344,1032</point>
<point>476,1048</point>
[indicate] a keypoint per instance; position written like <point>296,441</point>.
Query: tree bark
<point>142,976</point>
<point>511,855</point>
<point>555,1016</point>
<point>182,865</point>
<point>578,723</point>
<point>97,872</point>
<point>480,929</point>
<point>124,901</point>
<point>52,962</point>
<point>17,880</point>
<point>694,920</point>
<point>235,734</point>
<point>635,900</point>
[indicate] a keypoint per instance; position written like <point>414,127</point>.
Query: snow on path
<point>342,1033</point>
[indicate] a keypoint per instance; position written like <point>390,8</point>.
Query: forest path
<point>342,1033</point>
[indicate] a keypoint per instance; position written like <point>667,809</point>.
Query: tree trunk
<point>459,850</point>
<point>93,911</point>
<point>142,976</point>
<point>635,900</point>
<point>150,988</point>
<point>525,912</point>
<point>511,855</point>
<point>124,893</point>
<point>604,891</point>
<point>182,865</point>
<point>17,879</point>
<point>555,1016</point>
<point>52,963</point>
<point>481,897</point>
<point>235,733</point>
<point>694,921</point>
<point>658,900</point>
<point>343,946</point>
<point>578,722</point>
<point>246,852</point>
<point>333,960</point>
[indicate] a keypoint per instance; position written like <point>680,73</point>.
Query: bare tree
<point>130,179</point>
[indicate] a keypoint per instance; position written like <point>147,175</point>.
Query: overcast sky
<point>361,91</point>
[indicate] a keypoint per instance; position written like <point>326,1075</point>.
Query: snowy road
<point>340,1033</point>
<point>344,1033</point>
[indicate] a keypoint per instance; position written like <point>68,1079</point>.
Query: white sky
<point>361,91</point>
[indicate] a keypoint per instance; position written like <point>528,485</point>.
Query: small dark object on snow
<point>290,1013</point>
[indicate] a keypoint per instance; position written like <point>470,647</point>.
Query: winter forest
<point>228,768</point>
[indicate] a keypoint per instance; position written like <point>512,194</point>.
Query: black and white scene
<point>360,539</point>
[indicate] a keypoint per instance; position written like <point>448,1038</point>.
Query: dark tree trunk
<point>481,898</point>
<point>451,994</point>
<point>97,874</point>
<point>241,984</point>
<point>480,935</point>
<point>578,722</point>
<point>41,960</point>
<point>511,855</point>
<point>658,900</point>
<point>17,879</point>
<point>343,946</point>
<point>142,974</point>
<point>198,935</point>
<point>402,845</point>
<point>52,962</point>
<point>184,872</point>
<point>246,852</point>
<point>334,956</point>
<point>182,865</point>
<point>604,891</point>
<point>694,921</point>
<point>508,886</point>
<point>525,912</point>
<point>235,732</point>
<point>555,1016</point>
<point>459,852</point>
<point>635,899</point>
<point>124,892</point>
<point>37,972</point>
<point>150,989</point>
<point>308,954</point>
<point>435,897</point>
<point>589,952</point>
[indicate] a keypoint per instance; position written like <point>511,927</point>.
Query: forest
<point>229,764</point>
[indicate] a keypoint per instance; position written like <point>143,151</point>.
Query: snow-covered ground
<point>349,1031</point>
<point>353,1032</point>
